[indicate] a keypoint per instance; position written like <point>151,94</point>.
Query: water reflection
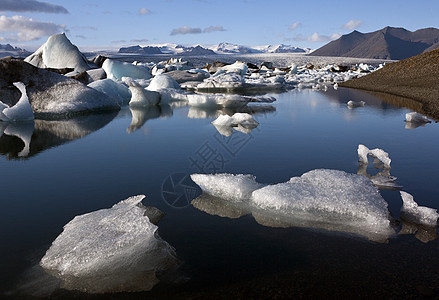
<point>27,139</point>
<point>213,113</point>
<point>224,208</point>
<point>139,115</point>
<point>423,233</point>
<point>382,179</point>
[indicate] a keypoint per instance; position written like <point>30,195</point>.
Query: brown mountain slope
<point>386,43</point>
<point>415,78</point>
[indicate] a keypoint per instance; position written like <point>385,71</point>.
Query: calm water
<point>89,163</point>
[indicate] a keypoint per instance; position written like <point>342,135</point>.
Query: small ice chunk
<point>380,154</point>
<point>415,117</point>
<point>417,214</point>
<point>110,250</point>
<point>235,120</point>
<point>354,104</point>
<point>161,81</point>
<point>21,111</point>
<point>227,186</point>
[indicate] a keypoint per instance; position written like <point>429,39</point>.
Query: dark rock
<point>267,64</point>
<point>98,60</point>
<point>82,77</point>
<point>62,71</point>
<point>252,66</point>
<point>47,90</point>
<point>215,66</point>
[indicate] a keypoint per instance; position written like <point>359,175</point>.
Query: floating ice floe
<point>117,69</point>
<point>379,154</point>
<point>225,100</point>
<point>58,52</point>
<point>414,117</point>
<point>413,213</point>
<point>21,111</point>
<point>327,199</point>
<point>241,121</point>
<point>354,104</point>
<point>112,89</point>
<point>110,250</point>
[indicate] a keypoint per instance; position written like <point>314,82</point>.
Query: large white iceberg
<point>21,111</point>
<point>112,89</point>
<point>58,52</point>
<point>327,199</point>
<point>117,69</point>
<point>414,213</point>
<point>110,250</point>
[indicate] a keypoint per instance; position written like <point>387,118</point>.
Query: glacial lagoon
<point>55,170</point>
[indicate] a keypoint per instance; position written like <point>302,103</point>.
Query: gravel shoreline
<point>414,78</point>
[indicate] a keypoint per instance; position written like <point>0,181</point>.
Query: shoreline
<point>414,79</point>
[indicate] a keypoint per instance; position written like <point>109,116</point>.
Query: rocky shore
<point>414,78</point>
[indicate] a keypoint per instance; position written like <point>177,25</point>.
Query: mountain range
<point>222,48</point>
<point>387,43</point>
<point>9,50</point>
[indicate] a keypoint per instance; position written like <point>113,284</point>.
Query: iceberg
<point>354,104</point>
<point>380,154</point>
<point>414,213</point>
<point>51,93</point>
<point>162,81</point>
<point>327,199</point>
<point>241,121</point>
<point>112,89</point>
<point>58,53</point>
<point>141,97</point>
<point>110,250</point>
<point>21,111</point>
<point>414,117</point>
<point>117,69</point>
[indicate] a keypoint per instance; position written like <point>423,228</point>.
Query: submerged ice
<point>110,250</point>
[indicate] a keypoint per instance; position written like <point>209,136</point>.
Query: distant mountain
<point>387,43</point>
<point>197,50</point>
<point>222,48</point>
<point>9,50</point>
<point>141,50</point>
<point>282,49</point>
<point>227,48</point>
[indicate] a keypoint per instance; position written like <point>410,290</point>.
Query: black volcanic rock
<point>141,50</point>
<point>387,43</point>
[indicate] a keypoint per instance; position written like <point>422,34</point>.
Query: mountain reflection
<point>27,139</point>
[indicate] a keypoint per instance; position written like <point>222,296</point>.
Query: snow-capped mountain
<point>8,50</point>
<point>221,48</point>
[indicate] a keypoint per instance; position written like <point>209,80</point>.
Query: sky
<point>97,24</point>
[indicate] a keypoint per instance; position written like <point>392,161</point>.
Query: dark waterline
<point>92,163</point>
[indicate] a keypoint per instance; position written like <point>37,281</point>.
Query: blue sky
<point>112,24</point>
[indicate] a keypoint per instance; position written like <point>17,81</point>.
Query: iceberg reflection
<point>142,114</point>
<point>27,139</point>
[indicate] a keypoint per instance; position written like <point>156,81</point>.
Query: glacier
<point>110,250</point>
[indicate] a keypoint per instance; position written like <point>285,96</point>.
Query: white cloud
<point>144,11</point>
<point>213,28</point>
<point>139,40</point>
<point>294,25</point>
<point>315,37</point>
<point>22,29</point>
<point>185,30</point>
<point>352,24</point>
<point>31,6</point>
